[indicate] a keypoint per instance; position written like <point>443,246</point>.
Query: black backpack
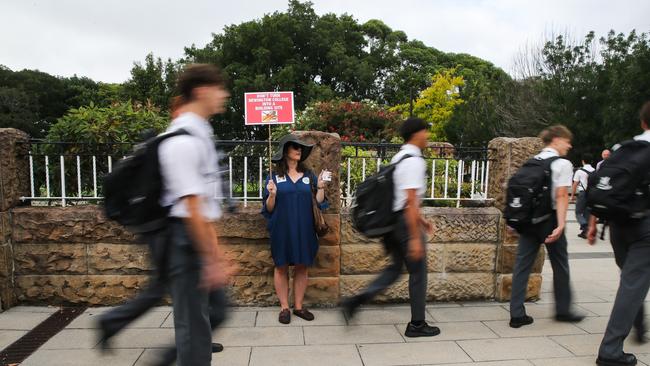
<point>372,208</point>
<point>620,189</point>
<point>528,197</point>
<point>132,191</point>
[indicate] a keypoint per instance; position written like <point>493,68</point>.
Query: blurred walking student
<point>287,205</point>
<point>115,320</point>
<point>406,244</point>
<point>548,230</point>
<point>196,266</point>
<point>580,178</point>
<point>630,239</point>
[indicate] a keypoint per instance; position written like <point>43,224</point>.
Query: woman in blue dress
<point>287,203</point>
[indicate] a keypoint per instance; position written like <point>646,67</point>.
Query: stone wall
<point>51,255</point>
<point>75,255</point>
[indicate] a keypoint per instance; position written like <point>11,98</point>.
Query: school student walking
<point>620,193</point>
<point>196,266</point>
<point>406,243</point>
<point>550,177</point>
<point>579,190</point>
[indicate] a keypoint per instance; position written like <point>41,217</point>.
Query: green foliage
<point>154,82</point>
<point>594,87</point>
<point>34,100</point>
<point>16,111</point>
<point>353,121</point>
<point>121,122</point>
<point>436,103</point>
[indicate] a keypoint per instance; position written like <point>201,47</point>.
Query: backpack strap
<point>405,156</point>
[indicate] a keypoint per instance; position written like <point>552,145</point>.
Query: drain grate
<point>18,351</point>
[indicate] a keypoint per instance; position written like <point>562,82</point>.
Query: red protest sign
<point>268,108</point>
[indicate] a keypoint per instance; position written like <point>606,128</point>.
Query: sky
<point>101,39</point>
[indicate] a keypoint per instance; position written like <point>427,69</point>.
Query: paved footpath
<point>472,333</point>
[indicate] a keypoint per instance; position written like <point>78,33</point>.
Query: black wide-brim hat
<point>279,154</point>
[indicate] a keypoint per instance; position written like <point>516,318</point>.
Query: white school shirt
<point>561,171</point>
<point>189,166</point>
<point>582,177</point>
<point>645,136</point>
<point>409,174</point>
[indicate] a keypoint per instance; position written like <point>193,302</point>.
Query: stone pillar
<point>506,156</point>
<point>324,277</point>
<point>14,180</point>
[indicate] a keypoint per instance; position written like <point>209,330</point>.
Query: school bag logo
<point>529,194</point>
<point>620,189</point>
<point>516,202</point>
<point>603,184</point>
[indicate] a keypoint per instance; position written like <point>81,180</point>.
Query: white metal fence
<point>63,174</point>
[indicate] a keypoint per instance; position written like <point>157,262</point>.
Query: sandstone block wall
<point>51,255</point>
<point>461,256</point>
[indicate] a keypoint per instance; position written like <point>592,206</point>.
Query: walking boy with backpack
<point>537,203</point>
<point>580,178</point>
<point>620,193</point>
<point>406,240</point>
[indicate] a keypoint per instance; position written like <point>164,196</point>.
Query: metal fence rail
<point>63,173</point>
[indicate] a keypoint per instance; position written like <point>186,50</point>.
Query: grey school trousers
<point>197,312</point>
<point>529,243</point>
<point>396,242</point>
<point>631,243</point>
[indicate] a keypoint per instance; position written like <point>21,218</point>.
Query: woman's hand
<point>271,188</point>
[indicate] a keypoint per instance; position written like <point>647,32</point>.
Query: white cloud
<point>102,39</point>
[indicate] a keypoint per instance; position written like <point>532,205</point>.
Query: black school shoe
<point>423,330</point>
<point>569,318</point>
<point>104,336</point>
<point>521,321</point>
<point>350,306</point>
<point>627,359</point>
<point>217,347</point>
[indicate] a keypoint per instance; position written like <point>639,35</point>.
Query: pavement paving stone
<point>585,345</point>
<point>234,319</point>
<point>569,361</point>
<point>321,317</point>
<point>231,356</point>
<point>7,337</point>
<point>541,327</point>
<point>82,357</point>
<point>355,334</point>
<point>73,339</point>
<point>513,349</point>
<point>470,313</point>
<point>412,354</point>
<point>322,355</point>
<point>89,318</point>
<point>143,338</point>
<point>600,308</point>
<point>645,358</point>
<point>21,320</point>
<point>385,316</point>
<point>33,309</point>
<point>260,336</point>
<point>594,325</point>
<point>492,363</point>
<point>454,332</point>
